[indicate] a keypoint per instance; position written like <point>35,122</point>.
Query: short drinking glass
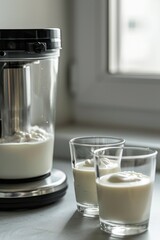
<point>82,150</point>
<point>125,197</point>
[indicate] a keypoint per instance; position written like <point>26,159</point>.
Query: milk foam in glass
<point>82,150</point>
<point>125,196</point>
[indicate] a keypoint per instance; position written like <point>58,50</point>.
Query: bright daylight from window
<point>137,32</point>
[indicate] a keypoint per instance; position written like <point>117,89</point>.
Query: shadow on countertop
<point>88,229</point>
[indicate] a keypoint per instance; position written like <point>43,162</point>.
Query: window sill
<point>132,137</point>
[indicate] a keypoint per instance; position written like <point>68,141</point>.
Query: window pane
<point>134,41</point>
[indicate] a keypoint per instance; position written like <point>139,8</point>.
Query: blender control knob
<point>39,47</point>
<point>2,53</point>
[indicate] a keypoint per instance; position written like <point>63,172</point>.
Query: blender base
<point>33,194</point>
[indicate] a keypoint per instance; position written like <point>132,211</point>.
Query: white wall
<point>43,14</point>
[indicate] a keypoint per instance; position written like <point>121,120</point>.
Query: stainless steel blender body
<point>28,74</point>
<point>16,98</point>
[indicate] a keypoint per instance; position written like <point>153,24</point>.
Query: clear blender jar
<point>28,73</point>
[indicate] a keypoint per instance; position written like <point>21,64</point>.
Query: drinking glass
<point>82,150</point>
<point>124,197</point>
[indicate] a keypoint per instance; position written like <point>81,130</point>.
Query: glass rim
<point>74,141</point>
<point>151,152</point>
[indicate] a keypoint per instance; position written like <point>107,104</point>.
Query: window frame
<point>137,97</point>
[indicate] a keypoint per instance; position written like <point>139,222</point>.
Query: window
<point>134,36</point>
<point>112,83</point>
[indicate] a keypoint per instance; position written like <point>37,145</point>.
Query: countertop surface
<point>61,221</point>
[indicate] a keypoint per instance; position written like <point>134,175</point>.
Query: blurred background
<point>109,68</point>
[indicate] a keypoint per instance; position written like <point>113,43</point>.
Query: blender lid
<point>26,42</point>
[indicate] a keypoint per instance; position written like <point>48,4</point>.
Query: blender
<point>28,75</point>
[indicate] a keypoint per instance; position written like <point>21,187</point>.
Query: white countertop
<point>62,222</point>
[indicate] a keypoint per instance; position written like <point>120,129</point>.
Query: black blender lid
<point>29,40</point>
<point>30,33</point>
<point>15,34</point>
